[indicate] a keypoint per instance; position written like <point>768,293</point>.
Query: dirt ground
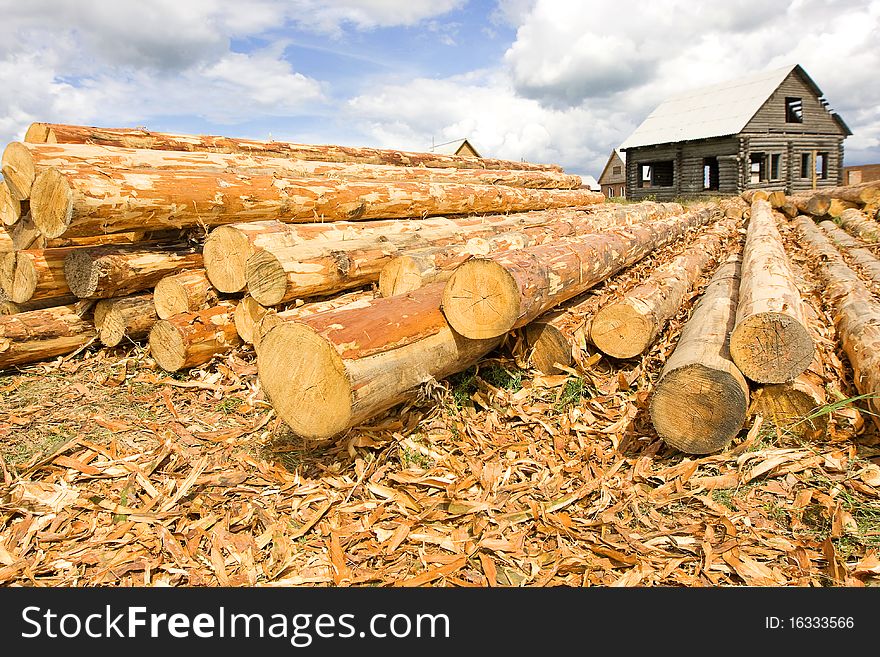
<point>116,473</point>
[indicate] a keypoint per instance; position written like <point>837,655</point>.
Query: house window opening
<point>805,165</point>
<point>822,165</point>
<point>775,166</point>
<point>656,174</point>
<point>794,110</point>
<point>615,171</point>
<point>757,168</point>
<point>710,173</point>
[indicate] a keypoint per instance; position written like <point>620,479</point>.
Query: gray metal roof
<point>714,111</point>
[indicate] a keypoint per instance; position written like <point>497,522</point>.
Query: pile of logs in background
<point>357,275</point>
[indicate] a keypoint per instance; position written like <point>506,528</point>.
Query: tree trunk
<point>816,204</point>
<point>837,207</point>
<point>6,244</point>
<point>769,343</point>
<point>34,274</point>
<point>112,271</point>
<point>487,297</point>
<point>96,201</point>
<point>629,326</point>
<point>272,318</point>
<point>864,260</point>
<point>777,199</point>
<point>856,313</point>
<point>11,308</point>
<point>417,268</point>
<point>700,400</point>
<point>190,339</point>
<point>858,225</point>
<point>247,316</point>
<point>11,209</point>
<point>42,334</point>
<point>558,338</point>
<point>50,133</point>
<point>733,207</point>
<point>186,292</point>
<point>333,370</point>
<point>751,195</point>
<point>861,194</point>
<point>123,318</point>
<point>24,161</point>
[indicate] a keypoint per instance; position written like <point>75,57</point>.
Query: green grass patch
<point>573,391</point>
<point>502,377</point>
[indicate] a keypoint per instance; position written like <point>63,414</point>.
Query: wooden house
<point>772,130</point>
<point>613,178</point>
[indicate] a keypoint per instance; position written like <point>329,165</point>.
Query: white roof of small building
<point>714,111</point>
<point>589,181</point>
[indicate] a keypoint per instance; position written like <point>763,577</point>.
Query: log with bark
<point>190,339</point>
<point>93,201</point>
<point>816,204</point>
<point>860,194</point>
<point>42,334</point>
<point>8,307</point>
<point>272,317</point>
<point>112,271</point>
<point>856,312</point>
<point>861,257</point>
<point>837,207</point>
<point>770,343</point>
<point>629,326</point>
<point>125,318</point>
<point>333,370</point>
<point>487,297</point>
<point>51,133</point>
<point>6,244</point>
<point>700,400</point>
<point>857,224</point>
<point>183,292</point>
<point>751,195</point>
<point>22,163</point>
<point>35,274</point>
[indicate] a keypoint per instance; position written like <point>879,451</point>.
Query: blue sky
<point>542,80</point>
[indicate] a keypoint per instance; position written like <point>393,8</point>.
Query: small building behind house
<point>589,182</point>
<point>612,180</point>
<point>456,147</point>
<point>860,173</point>
<point>772,130</point>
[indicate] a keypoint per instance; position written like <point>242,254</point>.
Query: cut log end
<point>225,252</point>
<point>167,346</point>
<point>548,348</point>
<point>698,409</point>
<point>18,170</point>
<point>481,300</point>
<point>170,298</point>
<point>400,276</point>
<point>788,405</point>
<point>18,276</point>
<point>266,279</point>
<point>771,347</point>
<point>81,274</point>
<point>247,316</point>
<point>306,381</point>
<point>39,133</point>
<point>10,207</point>
<point>51,203</point>
<point>620,331</point>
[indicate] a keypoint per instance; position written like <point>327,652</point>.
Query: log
<point>35,274</point>
<point>10,207</point>
<point>629,326</point>
<point>557,339</point>
<point>11,308</point>
<point>50,133</point>
<point>247,316</point>
<point>837,207</point>
<point>184,292</point>
<point>190,339</point>
<point>856,313</point>
<point>22,162</point>
<point>42,334</point>
<point>112,271</point>
<point>816,204</point>
<point>333,370</point>
<point>860,194</point>
<point>733,207</point>
<point>700,400</point>
<point>94,201</point>
<point>777,199</point>
<point>861,257</point>
<point>751,195</point>
<point>25,235</point>
<point>125,318</point>
<point>487,297</point>
<point>272,318</point>
<point>6,244</point>
<point>858,225</point>
<point>770,343</point>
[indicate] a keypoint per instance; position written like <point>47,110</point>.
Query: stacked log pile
<point>117,220</point>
